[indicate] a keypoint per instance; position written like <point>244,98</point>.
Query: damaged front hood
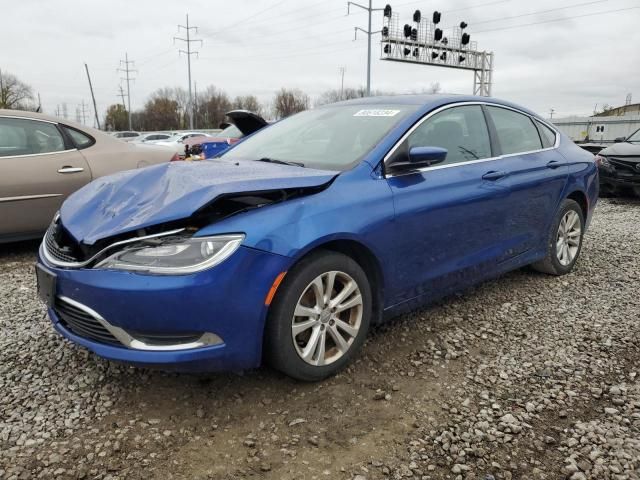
<point>137,199</point>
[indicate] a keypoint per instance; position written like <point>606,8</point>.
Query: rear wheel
<point>319,318</point>
<point>564,241</point>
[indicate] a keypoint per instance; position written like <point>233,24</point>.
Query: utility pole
<point>195,104</point>
<point>551,113</point>
<point>369,33</point>
<point>342,69</point>
<point>93,97</point>
<point>39,104</point>
<point>83,112</point>
<point>128,71</point>
<point>188,52</point>
<point>1,91</point>
<point>121,95</point>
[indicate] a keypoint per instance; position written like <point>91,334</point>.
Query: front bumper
<point>614,179</point>
<point>227,302</point>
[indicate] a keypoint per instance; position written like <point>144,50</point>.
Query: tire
<point>303,291</point>
<point>557,262</point>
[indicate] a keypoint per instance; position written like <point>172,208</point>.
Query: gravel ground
<point>525,377</point>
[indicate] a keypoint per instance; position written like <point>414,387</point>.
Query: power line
<point>538,12</point>
<point>128,71</point>
<point>188,53</point>
<point>604,12</point>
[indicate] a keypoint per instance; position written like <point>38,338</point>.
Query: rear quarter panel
<point>583,173</point>
<point>110,156</point>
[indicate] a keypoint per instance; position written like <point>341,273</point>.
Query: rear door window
<point>547,135</point>
<point>516,131</point>
<point>81,140</point>
<point>21,136</point>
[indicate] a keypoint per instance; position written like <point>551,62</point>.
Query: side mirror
<point>420,157</point>
<point>620,139</point>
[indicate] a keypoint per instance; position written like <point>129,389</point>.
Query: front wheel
<point>319,318</point>
<point>564,241</point>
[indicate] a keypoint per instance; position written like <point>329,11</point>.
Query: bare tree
<point>213,104</point>
<point>116,118</point>
<point>332,96</point>
<point>434,88</point>
<point>287,102</point>
<point>247,102</point>
<point>15,94</point>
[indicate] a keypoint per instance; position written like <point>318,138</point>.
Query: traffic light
<point>437,36</point>
<point>445,41</point>
<point>466,38</point>
<point>443,57</point>
<point>387,48</point>
<point>385,31</point>
<point>417,16</point>
<point>407,30</point>
<point>414,34</point>
<point>436,17</point>
<point>463,25</point>
<point>387,11</point>
<point>416,52</point>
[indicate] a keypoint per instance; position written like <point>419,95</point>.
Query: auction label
<point>376,113</point>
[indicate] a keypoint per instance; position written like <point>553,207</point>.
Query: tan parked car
<point>44,159</point>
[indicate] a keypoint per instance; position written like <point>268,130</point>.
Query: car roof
<point>429,101</point>
<point>40,116</point>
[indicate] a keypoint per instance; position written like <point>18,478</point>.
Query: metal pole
<point>126,59</point>
<point>342,83</point>
<point>189,67</point>
<point>369,53</point>
<point>95,109</point>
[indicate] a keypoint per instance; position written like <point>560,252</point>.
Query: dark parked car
<point>297,239</point>
<point>619,166</point>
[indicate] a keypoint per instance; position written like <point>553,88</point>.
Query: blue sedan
<point>292,244</point>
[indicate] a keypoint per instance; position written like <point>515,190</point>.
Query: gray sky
<point>256,47</point>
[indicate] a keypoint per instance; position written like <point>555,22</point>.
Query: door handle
<point>553,164</point>
<point>493,175</point>
<point>68,169</point>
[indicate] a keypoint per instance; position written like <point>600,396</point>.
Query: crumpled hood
<point>622,149</point>
<point>173,191</point>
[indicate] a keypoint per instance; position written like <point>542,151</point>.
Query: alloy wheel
<point>327,318</point>
<point>568,238</point>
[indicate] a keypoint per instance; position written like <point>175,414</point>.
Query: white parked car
<point>152,137</point>
<point>176,142</point>
<point>126,136</point>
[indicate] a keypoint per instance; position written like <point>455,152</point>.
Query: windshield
<point>330,138</point>
<point>635,137</point>
<point>231,132</point>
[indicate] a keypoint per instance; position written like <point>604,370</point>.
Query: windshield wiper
<point>281,162</point>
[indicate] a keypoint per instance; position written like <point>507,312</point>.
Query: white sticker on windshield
<point>376,113</point>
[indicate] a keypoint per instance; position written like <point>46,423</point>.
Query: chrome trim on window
<point>29,197</point>
<point>29,118</point>
<point>207,339</point>
<point>53,261</point>
<point>457,164</point>
<point>39,154</point>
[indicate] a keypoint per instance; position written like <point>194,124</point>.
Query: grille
<point>627,166</point>
<point>59,253</point>
<point>82,324</point>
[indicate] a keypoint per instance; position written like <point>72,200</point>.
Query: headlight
<point>602,161</point>
<point>174,255</point>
